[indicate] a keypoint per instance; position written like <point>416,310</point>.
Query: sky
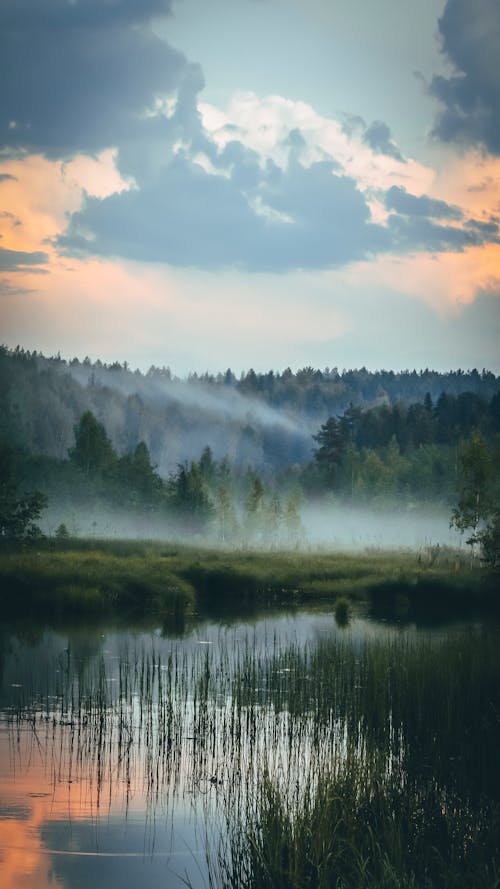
<point>208,184</point>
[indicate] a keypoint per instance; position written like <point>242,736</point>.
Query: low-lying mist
<point>356,527</point>
<point>322,524</point>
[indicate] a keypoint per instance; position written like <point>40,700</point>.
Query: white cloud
<point>265,124</point>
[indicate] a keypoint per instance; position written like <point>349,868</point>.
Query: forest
<point>236,460</point>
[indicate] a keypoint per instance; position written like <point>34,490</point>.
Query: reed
<point>411,795</point>
<point>351,762</point>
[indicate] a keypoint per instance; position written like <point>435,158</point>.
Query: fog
<point>323,525</point>
<point>187,415</point>
<point>356,527</point>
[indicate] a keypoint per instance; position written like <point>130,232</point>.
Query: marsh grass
<point>412,796</point>
<point>80,579</point>
<point>92,575</point>
<point>361,830</point>
<point>342,611</point>
<point>361,763</point>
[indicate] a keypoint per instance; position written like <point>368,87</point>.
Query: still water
<point>121,748</point>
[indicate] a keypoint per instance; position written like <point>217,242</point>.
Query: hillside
<point>262,420</point>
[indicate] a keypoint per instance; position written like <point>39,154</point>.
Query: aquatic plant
<point>354,761</point>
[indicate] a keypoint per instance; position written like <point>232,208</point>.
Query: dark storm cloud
<point>378,137</point>
<point>20,261</point>
<point>81,75</point>
<point>470,34</point>
<point>399,199</point>
<point>189,217</point>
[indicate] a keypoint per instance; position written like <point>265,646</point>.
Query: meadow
<point>66,577</point>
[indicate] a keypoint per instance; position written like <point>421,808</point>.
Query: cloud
<point>86,76</point>
<point>397,198</point>
<point>378,137</point>
<point>236,209</point>
<point>470,35</point>
<point>396,311</point>
<point>445,281</point>
<point>7,289</point>
<point>265,125</point>
<point>412,226</point>
<point>21,260</point>
<point>418,233</point>
<point>9,217</point>
<point>298,217</point>
<point>5,177</point>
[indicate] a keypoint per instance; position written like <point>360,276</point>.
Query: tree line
<point>448,451</point>
<point>260,419</point>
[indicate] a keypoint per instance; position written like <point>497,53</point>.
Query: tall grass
<point>350,763</point>
<point>411,795</point>
<point>71,576</point>
<point>76,579</point>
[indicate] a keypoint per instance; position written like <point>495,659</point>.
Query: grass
<point>409,798</point>
<point>90,575</point>
<point>102,579</point>
<point>356,832</point>
<point>352,763</point>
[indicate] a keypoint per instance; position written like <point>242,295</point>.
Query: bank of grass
<point>91,575</point>
<point>97,578</point>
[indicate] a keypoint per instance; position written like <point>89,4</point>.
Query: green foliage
<point>478,508</point>
<point>19,510</point>
<point>386,436</point>
<point>490,542</point>
<point>333,444</point>
<point>62,532</point>
<point>136,479</point>
<point>189,499</point>
<point>93,452</point>
<point>119,571</point>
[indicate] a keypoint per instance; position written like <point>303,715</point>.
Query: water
<point>122,749</point>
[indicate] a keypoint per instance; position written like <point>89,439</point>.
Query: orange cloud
<point>472,181</point>
<point>42,192</point>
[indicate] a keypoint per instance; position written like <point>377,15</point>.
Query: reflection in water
<point>112,750</point>
<point>122,753</point>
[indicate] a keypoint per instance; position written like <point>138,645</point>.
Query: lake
<point>128,753</point>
